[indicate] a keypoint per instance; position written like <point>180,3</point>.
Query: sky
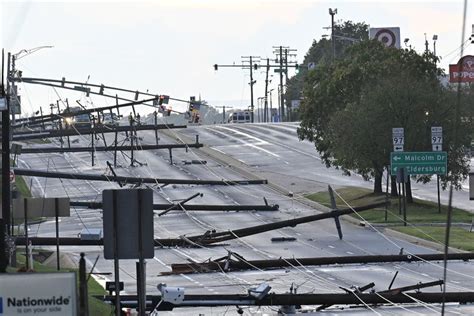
<point>170,47</point>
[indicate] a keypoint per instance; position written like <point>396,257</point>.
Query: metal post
<point>92,147</point>
<point>60,123</point>
<point>251,90</point>
<point>83,296</point>
<point>265,107</point>
<point>439,197</point>
<point>4,219</point>
<point>282,98</point>
<point>171,156</point>
<point>56,209</point>
<point>386,194</point>
<point>404,198</point>
<point>156,124</point>
<point>399,199</point>
<point>131,143</point>
<point>116,250</point>
<point>25,201</point>
<point>333,39</point>
<point>288,106</point>
<point>271,108</point>
<point>141,288</point>
<point>223,114</point>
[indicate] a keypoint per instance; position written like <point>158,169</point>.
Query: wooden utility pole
<point>265,107</point>
<point>4,218</point>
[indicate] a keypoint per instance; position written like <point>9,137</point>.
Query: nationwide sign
<point>419,162</point>
<point>38,294</point>
<point>463,71</point>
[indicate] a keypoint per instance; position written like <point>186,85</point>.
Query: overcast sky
<point>169,47</point>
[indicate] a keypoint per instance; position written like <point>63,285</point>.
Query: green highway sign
<point>420,162</point>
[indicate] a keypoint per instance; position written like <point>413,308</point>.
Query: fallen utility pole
<point>53,117</point>
<point>88,88</point>
<point>223,264</point>
<point>88,131</point>
<point>213,237</point>
<point>45,150</point>
<point>207,300</point>
<point>209,237</point>
<point>134,180</point>
<point>193,207</point>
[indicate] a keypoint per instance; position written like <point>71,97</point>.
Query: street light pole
<point>271,109</point>
<point>333,39</point>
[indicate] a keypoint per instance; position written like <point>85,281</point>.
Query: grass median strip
<point>422,214</point>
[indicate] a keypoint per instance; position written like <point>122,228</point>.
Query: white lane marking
<point>260,141</point>
<point>215,148</point>
<point>162,263</point>
<point>349,253</point>
<point>296,150</point>
<point>332,247</point>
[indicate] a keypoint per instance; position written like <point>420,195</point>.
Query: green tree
<point>351,106</point>
<point>346,33</point>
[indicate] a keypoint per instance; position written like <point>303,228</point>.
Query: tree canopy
<point>350,106</point>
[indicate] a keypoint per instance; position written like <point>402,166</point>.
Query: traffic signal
<point>192,100</point>
<point>255,66</point>
<point>163,99</point>
<point>215,67</point>
<point>101,91</point>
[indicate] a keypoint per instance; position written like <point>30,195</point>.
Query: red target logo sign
<point>386,37</point>
<point>389,36</point>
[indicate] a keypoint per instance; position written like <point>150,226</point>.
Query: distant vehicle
<point>240,117</point>
<point>110,119</point>
<point>76,121</point>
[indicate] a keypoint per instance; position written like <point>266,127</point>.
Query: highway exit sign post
<point>421,163</point>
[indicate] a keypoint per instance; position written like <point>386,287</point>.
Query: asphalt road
<point>269,151</point>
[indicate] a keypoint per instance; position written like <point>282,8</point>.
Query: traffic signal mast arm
<point>255,66</point>
<point>87,88</point>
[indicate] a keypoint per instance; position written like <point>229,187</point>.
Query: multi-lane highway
<point>293,168</point>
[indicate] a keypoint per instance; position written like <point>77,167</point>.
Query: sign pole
<point>56,210</point>
<point>141,263</point>
<point>439,198</point>
<point>386,194</point>
<point>404,197</point>
<point>116,260</point>
<point>399,199</point>
<point>25,200</point>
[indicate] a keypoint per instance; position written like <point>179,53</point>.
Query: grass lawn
<point>420,212</point>
<point>459,238</point>
<point>96,307</point>
<point>22,187</point>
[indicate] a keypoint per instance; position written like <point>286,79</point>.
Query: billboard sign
<point>463,71</point>
<point>42,294</point>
